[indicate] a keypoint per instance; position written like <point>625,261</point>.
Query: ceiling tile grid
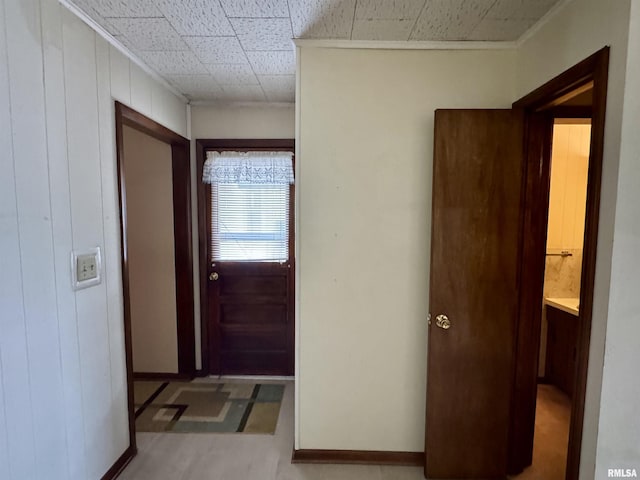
<point>196,17</point>
<point>322,18</point>
<point>263,33</point>
<point>217,49</point>
<point>233,74</point>
<point>256,8</point>
<point>242,50</point>
<point>273,63</point>
<point>151,34</point>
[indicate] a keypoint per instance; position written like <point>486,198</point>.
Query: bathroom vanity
<point>562,342</point>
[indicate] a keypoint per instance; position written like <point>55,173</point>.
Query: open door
<point>476,228</point>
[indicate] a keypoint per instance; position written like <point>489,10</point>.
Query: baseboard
<point>162,376</point>
<point>363,457</point>
<point>117,468</point>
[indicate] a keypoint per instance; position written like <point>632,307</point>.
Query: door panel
<point>250,313</point>
<point>477,180</point>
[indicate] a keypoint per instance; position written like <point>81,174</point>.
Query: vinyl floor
<point>210,456</point>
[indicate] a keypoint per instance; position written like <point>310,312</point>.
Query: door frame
<point>539,107</point>
<point>180,164</point>
<point>202,146</point>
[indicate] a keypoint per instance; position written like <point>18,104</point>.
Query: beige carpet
<point>201,407</point>
<point>553,412</point>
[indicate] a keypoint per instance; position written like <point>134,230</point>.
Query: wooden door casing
<point>476,229</point>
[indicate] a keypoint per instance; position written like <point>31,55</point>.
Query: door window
<point>250,205</point>
<point>250,222</point>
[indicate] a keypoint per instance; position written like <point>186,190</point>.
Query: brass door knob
<point>442,321</point>
<point>213,276</point>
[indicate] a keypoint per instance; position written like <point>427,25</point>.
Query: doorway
<point>155,220</point>
<point>560,319</point>
<point>489,232</point>
<point>246,233</point>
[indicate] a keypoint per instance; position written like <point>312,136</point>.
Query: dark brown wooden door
<point>250,307</point>
<point>477,180</point>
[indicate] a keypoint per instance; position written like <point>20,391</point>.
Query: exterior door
<point>250,300</point>
<point>477,183</point>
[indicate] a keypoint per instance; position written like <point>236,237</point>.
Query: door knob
<point>213,276</point>
<point>442,321</point>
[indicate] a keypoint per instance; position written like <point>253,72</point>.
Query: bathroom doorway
<point>578,96</point>
<point>564,147</point>
<point>560,319</point>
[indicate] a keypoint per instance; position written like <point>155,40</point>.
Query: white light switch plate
<point>86,268</point>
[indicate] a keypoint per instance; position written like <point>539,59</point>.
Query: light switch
<point>86,268</point>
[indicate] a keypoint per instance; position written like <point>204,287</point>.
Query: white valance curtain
<point>249,168</point>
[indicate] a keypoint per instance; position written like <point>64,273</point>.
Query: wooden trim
<point>120,464</point>
<point>571,112</point>
<point>180,149</point>
<point>144,124</point>
<point>576,77</point>
<point>359,457</point>
<point>128,346</point>
<point>183,257</point>
<point>599,105</point>
<point>204,219</point>
<point>593,69</point>
<point>162,376</point>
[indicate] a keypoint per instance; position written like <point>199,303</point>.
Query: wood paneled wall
<point>63,407</point>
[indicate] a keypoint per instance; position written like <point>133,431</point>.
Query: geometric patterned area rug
<point>203,407</point>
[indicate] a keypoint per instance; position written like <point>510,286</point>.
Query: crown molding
<point>221,103</point>
<point>100,30</point>
<point>403,45</point>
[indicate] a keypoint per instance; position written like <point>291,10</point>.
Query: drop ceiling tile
<point>382,29</point>
<point>279,88</point>
<point>121,8</point>
<point>520,9</point>
<point>148,33</point>
<point>87,7</point>
<point>196,17</point>
<point>322,18</point>
<point>255,8</point>
<point>449,19</point>
<point>174,62</point>
<point>263,33</point>
<point>244,93</point>
<point>195,84</point>
<point>233,74</point>
<point>273,63</point>
<point>500,30</point>
<point>217,49</point>
<point>388,9</point>
<point>127,44</point>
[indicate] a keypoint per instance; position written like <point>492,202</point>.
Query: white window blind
<point>250,222</point>
<point>249,205</point>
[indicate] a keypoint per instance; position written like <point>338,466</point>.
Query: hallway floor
<point>228,456</point>
<point>553,413</point>
<point>210,456</point>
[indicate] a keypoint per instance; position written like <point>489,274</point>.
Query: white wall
<point>63,412</point>
<point>151,252</point>
<point>619,426</point>
<point>579,29</point>
<point>243,122</point>
<point>363,231</point>
<point>268,121</point>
